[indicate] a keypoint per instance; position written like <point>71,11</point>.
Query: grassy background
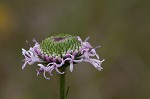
<point>120,27</point>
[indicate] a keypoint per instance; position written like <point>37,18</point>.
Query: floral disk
<point>60,50</point>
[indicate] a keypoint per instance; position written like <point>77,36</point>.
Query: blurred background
<point>120,27</point>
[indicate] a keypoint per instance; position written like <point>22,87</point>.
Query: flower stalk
<point>62,91</point>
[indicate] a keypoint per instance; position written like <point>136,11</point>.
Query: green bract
<point>59,45</point>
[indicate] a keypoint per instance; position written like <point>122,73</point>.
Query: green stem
<point>62,84</point>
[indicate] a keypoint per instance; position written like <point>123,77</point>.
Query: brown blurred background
<point>121,27</point>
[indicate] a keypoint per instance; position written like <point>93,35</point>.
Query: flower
<point>58,51</point>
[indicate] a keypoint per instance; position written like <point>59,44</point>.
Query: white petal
<point>23,51</point>
<point>24,65</point>
<point>41,65</point>
<point>79,39</point>
<point>78,61</point>
<point>71,66</point>
<point>87,39</point>
<point>99,68</point>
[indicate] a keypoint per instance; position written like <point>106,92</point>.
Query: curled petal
<point>59,71</point>
<point>45,76</point>
<point>62,63</point>
<point>71,60</point>
<point>44,69</point>
<point>96,63</point>
<point>49,68</point>
<point>71,63</point>
<point>93,53</point>
<point>30,57</point>
<point>87,52</point>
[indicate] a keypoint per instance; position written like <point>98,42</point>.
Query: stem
<point>62,84</point>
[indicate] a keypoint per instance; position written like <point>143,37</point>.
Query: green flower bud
<point>60,44</point>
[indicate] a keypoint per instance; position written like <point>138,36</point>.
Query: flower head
<point>58,51</point>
